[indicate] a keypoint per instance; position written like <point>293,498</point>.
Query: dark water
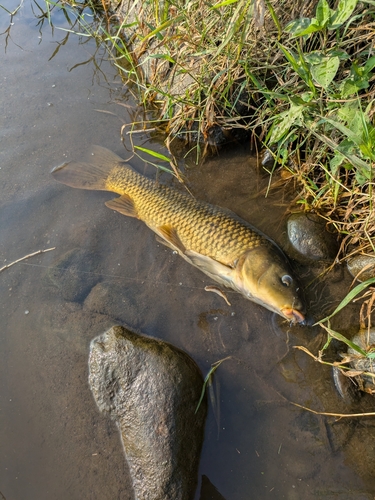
<point>108,269</point>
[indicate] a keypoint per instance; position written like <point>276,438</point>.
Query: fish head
<point>265,276</point>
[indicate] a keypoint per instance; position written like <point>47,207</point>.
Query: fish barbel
<point>215,240</point>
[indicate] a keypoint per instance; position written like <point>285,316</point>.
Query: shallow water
<point>107,269</point>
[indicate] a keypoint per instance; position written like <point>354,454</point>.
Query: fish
<point>214,239</point>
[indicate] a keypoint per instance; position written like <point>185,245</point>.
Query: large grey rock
<point>151,389</point>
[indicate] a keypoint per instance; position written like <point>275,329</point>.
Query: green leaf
<point>298,65</point>
<point>323,13</point>
<point>163,26</point>
<point>338,336</point>
<point>370,65</point>
<point>325,71</point>
<point>335,163</point>
<point>207,379</point>
<point>302,26</point>
<point>349,297</point>
<point>344,10</point>
<point>223,4</point>
<point>345,130</point>
<point>153,153</point>
<point>288,119</point>
<point>167,57</point>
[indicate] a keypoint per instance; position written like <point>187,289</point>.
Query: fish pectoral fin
<point>124,204</point>
<point>213,268</point>
<point>170,238</point>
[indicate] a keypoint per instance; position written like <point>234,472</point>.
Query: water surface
<point>108,269</point>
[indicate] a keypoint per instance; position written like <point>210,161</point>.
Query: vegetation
<point>362,355</point>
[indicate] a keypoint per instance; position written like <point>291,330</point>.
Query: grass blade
<point>350,296</point>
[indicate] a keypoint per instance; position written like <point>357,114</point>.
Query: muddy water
<point>107,269</point>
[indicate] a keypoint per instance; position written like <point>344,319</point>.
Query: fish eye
<point>286,280</point>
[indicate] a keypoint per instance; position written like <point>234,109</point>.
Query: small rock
<point>365,340</point>
<point>151,389</point>
<point>346,387</point>
<point>309,238</point>
<point>362,266</point>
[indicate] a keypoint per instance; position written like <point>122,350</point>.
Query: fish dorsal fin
<point>213,268</point>
<point>171,238</point>
<point>124,204</point>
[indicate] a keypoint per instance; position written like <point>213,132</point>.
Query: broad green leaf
<point>361,178</point>
<point>335,163</point>
<point>307,96</point>
<point>323,13</point>
<point>348,112</point>
<point>314,57</point>
<point>341,54</point>
<point>302,26</point>
<point>344,10</point>
<point>324,72</point>
<point>153,153</point>
<point>348,87</point>
<point>357,139</point>
<point>288,119</point>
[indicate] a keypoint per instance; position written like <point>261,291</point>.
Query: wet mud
<point>107,269</point>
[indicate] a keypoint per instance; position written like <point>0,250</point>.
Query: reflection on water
<point>108,269</point>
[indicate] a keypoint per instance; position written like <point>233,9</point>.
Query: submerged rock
<point>74,274</point>
<point>362,266</point>
<point>309,238</point>
<point>151,389</point>
<point>365,340</point>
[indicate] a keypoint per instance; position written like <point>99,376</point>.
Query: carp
<point>215,240</point>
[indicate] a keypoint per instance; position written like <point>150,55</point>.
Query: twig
<point>340,415</point>
<point>26,257</point>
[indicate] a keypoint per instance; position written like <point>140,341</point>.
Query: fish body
<point>215,240</point>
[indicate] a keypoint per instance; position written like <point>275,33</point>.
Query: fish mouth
<point>293,315</point>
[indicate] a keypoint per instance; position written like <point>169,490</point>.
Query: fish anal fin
<point>171,239</point>
<point>124,204</point>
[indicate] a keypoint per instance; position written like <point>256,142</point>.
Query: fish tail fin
<point>91,174</point>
